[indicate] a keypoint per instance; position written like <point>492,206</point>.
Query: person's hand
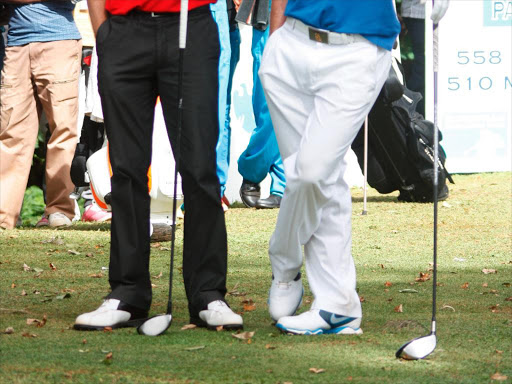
<point>237,4</point>
<point>439,9</point>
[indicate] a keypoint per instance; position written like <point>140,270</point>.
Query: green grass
<point>393,243</point>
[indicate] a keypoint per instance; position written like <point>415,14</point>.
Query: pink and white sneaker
<point>96,214</point>
<point>43,222</point>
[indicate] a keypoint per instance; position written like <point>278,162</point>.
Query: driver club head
<point>156,325</point>
<point>418,348</point>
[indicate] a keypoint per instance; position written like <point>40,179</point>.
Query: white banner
<point>475,84</point>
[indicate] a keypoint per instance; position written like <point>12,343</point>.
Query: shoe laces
<point>58,215</point>
<point>109,304</point>
<point>283,284</point>
<point>218,306</point>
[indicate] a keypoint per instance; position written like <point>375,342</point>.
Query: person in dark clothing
<point>137,45</point>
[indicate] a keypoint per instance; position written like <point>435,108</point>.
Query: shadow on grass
<point>377,199</point>
<point>78,226</point>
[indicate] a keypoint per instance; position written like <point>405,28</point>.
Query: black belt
<point>137,13</point>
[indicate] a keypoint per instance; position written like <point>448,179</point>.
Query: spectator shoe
<point>58,219</point>
<point>273,201</point>
<point>250,193</point>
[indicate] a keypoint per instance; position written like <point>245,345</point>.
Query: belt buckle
<point>153,14</point>
<point>319,36</point>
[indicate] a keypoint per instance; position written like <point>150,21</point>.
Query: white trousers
<point>318,96</point>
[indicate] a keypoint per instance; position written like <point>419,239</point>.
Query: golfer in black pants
<point>137,45</point>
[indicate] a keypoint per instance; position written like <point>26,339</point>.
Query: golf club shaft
<point>436,169</point>
<point>182,46</point>
<point>365,165</point>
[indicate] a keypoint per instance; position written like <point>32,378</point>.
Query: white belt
<point>322,35</point>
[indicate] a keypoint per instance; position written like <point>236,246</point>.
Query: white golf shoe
<point>318,322</point>
<point>112,313</point>
<point>284,298</point>
<point>218,314</point>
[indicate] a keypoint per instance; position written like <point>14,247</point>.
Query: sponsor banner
<point>475,85</point>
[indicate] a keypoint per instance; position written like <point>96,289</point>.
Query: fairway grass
<point>391,246</point>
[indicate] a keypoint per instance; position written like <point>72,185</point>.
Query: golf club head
<point>418,348</point>
<point>156,325</point>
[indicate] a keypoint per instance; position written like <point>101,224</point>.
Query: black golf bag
<point>91,137</point>
<point>400,146</point>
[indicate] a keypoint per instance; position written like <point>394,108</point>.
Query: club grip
<point>183,24</point>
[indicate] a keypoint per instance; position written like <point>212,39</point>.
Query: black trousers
<point>137,62</point>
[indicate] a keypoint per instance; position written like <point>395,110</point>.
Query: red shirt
<point>122,7</point>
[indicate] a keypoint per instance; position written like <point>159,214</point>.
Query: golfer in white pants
<point>322,69</point>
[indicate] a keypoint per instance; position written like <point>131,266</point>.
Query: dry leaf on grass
<point>388,284</point>
<point>424,276</point>
<point>399,308</point>
<point>13,285</point>
<point>23,293</point>
<point>26,268</point>
<point>316,370</point>
<point>73,252</point>
<point>108,358</point>
<point>362,299</point>
<point>53,267</point>
<point>243,335</point>
<point>465,285</point>
<point>485,285</point>
<point>219,328</point>
<point>158,276</point>
<point>499,377</point>
<point>188,326</point>
<point>448,307</point>
<point>155,245</point>
<point>249,305</point>
<point>495,308</point>
<point>107,329</point>
<point>235,292</point>
<point>38,323</point>
<point>9,331</point>
<point>508,298</point>
<point>96,275</point>
<point>269,346</point>
<point>28,334</point>
<point>489,271</point>
<point>506,284</point>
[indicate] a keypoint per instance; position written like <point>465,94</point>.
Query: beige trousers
<point>36,77</point>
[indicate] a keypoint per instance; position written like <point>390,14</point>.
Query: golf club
<point>421,347</point>
<point>365,166</point>
<point>156,325</point>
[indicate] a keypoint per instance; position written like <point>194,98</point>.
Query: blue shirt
<point>376,20</point>
<point>42,22</point>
